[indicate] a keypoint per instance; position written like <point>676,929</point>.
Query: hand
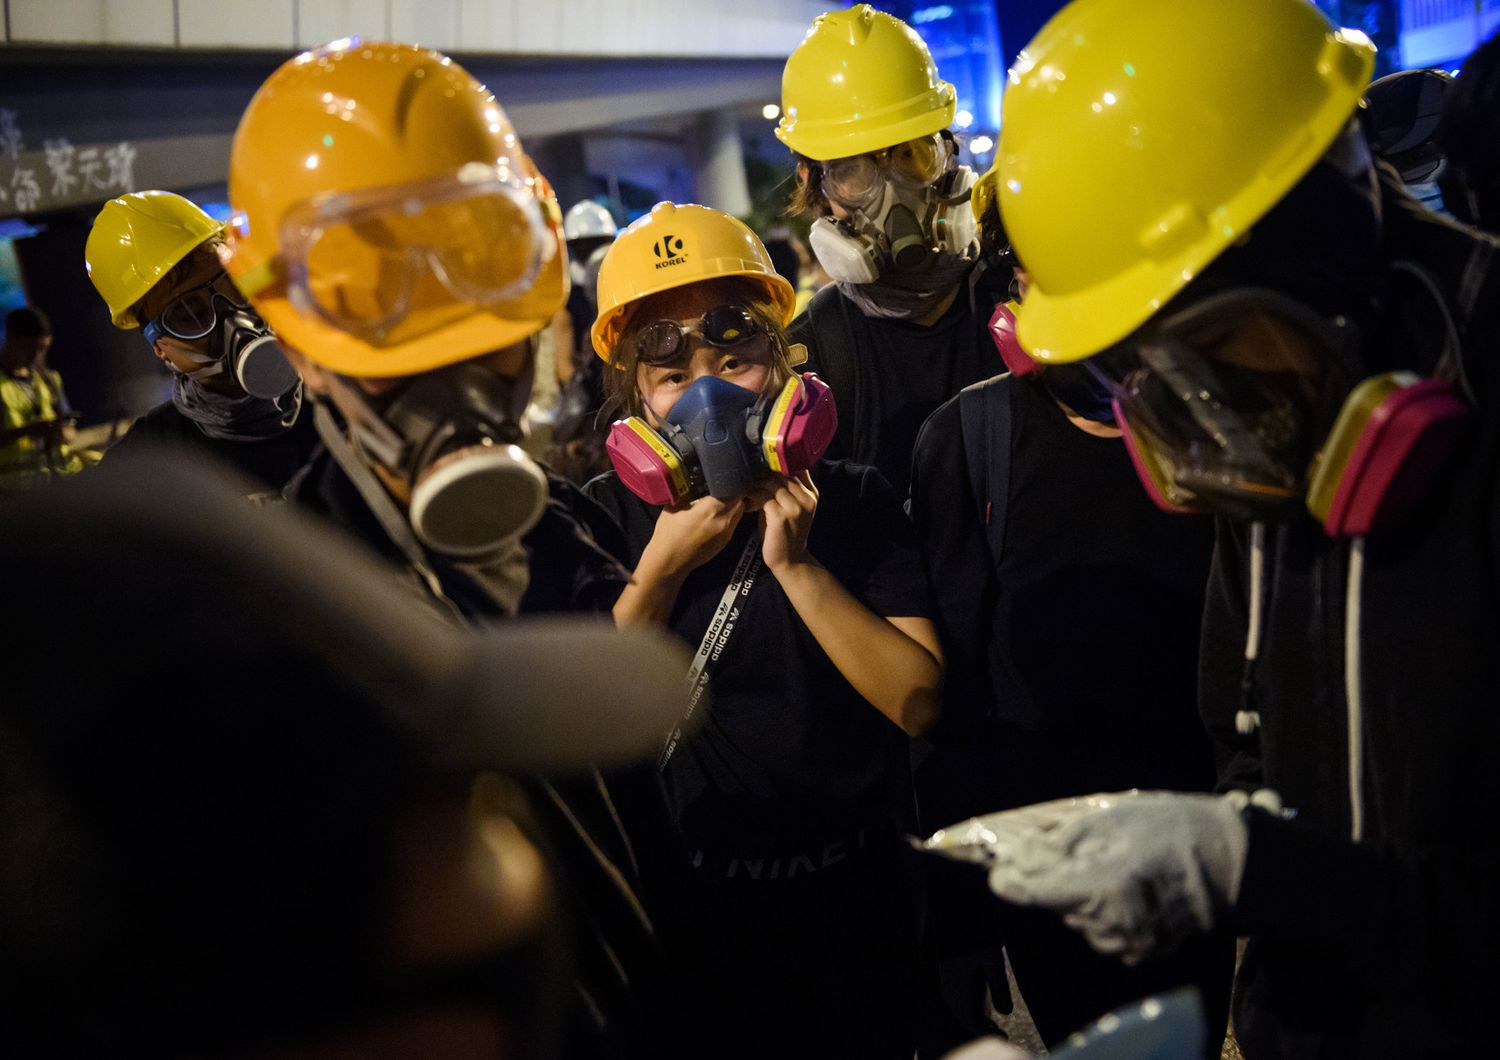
<point>787,507</point>
<point>685,538</point>
<point>1136,873</point>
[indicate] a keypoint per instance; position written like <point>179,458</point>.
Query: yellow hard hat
<point>861,80</point>
<point>983,201</point>
<point>135,241</point>
<point>673,246</point>
<point>386,220</point>
<point>1143,137</point>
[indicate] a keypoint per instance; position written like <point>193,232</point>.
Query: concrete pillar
<point>719,163</point>
<point>561,160</point>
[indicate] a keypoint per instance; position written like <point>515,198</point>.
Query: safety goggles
<point>194,314</point>
<point>855,182</point>
<point>725,326</point>
<point>1224,403</point>
<point>367,260</point>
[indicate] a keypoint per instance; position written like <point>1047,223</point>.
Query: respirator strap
<point>391,520</point>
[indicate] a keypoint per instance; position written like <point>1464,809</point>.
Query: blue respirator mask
<point>719,439</point>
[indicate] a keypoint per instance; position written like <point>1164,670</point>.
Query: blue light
<point>15,228</point>
<point>931,14</point>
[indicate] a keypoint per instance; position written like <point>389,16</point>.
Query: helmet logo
<point>669,248</point>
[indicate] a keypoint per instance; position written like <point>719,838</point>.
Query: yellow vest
<point>27,462</point>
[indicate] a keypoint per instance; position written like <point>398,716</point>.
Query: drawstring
<point>1247,719</point>
<point>1352,690</point>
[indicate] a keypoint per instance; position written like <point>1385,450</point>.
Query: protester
<point>1296,346</point>
<point>798,582</point>
<point>154,258</point>
<point>408,272</point>
<point>1403,112</point>
<point>578,431</point>
<point>1034,526</point>
<point>895,335</point>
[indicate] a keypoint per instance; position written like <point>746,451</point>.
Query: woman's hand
<point>787,508</point>
<point>688,537</point>
<point>684,539</point>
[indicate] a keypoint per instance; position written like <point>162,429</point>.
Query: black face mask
<point>451,436</point>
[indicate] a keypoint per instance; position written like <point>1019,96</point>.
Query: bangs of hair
<point>622,394</point>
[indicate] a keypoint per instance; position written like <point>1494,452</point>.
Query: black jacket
<point>610,840</point>
<point>269,462</point>
<point>1389,946</point>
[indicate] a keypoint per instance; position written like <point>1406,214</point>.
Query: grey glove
<point>1135,872</point>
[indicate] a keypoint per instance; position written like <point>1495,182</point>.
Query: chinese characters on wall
<point>61,173</point>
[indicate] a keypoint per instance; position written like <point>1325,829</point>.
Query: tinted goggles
<point>1230,396</point>
<point>855,182</point>
<point>665,340</point>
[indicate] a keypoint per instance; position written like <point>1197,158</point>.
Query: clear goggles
<point>663,341</point>
<point>194,314</point>
<point>855,183</point>
<point>368,260</point>
<point>1226,402</point>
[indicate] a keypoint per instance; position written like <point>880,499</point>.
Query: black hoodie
<point>1389,946</point>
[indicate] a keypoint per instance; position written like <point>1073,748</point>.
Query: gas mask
<point>451,437</point>
<point>907,206</point>
<point>719,439</point>
<point>1250,405</point>
<point>241,345</point>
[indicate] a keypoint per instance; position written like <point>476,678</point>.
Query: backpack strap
<point>985,412</point>
<point>828,316</point>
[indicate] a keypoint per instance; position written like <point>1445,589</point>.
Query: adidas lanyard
<point>720,627</point>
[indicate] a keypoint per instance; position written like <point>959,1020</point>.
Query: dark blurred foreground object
<point>244,799</point>
<point>1168,1027</point>
<point>1470,139</point>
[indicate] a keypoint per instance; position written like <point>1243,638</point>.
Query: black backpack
<point>985,413</point>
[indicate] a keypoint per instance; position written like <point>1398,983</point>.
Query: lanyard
<point>720,627</point>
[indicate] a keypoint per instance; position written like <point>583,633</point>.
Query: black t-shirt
<point>269,461</point>
<point>788,756</point>
<point>1082,644</point>
<point>889,375</point>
